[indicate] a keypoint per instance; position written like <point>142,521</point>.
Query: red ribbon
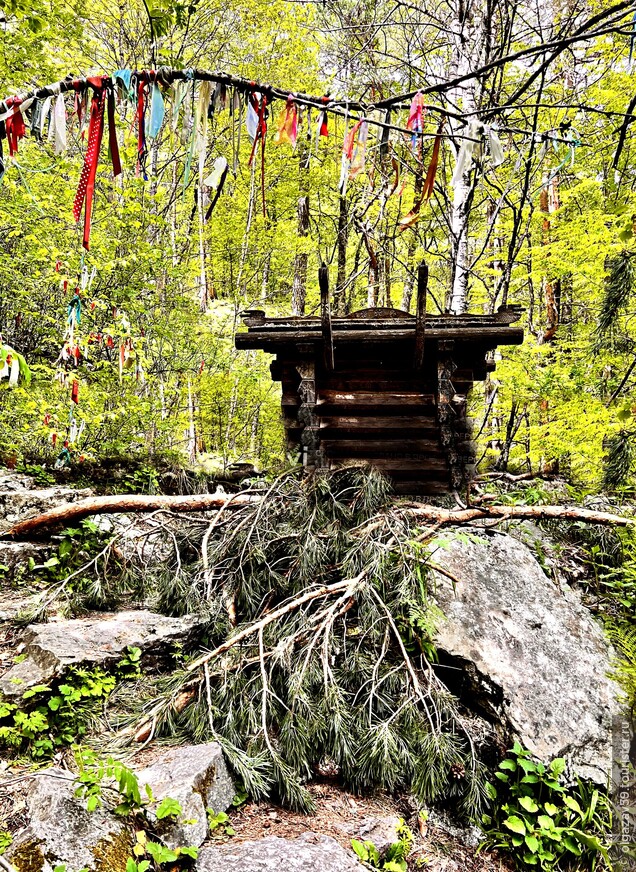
<point>429,183</point>
<point>75,392</point>
<point>324,130</point>
<point>261,134</point>
<point>86,187</point>
<point>14,125</point>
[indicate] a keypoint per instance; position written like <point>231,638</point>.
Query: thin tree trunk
<point>299,285</point>
<point>407,291</point>
<point>343,238</point>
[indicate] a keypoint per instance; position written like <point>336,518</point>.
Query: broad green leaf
<point>515,824</point>
<point>528,803</point>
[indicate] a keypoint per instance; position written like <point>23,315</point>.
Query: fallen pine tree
<point>319,639</point>
<point>69,513</point>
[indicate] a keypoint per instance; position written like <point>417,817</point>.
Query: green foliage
<point>622,635</point>
<point>218,824</point>
<point>96,773</point>
<point>619,287</point>
<point>620,462</point>
<point>97,776</point>
<point>50,716</point>
<point>57,714</point>
<point>5,840</point>
<point>394,859</point>
<point>168,808</point>
<point>543,823</point>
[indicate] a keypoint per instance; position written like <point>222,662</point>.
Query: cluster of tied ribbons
<point>94,105</point>
<point>76,348</point>
<point>35,112</point>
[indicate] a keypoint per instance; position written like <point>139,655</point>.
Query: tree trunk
<point>117,503</point>
<point>343,237</point>
<point>299,285</point>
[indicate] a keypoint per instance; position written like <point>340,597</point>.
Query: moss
<point>111,855</point>
<point>28,857</point>
<point>204,785</point>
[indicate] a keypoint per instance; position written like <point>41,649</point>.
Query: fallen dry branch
<point>33,528</point>
<point>445,517</point>
<point>72,512</point>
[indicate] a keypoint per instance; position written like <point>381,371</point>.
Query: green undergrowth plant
<point>55,715</point>
<point>5,840</point>
<point>219,824</point>
<point>394,859</point>
<point>74,573</point>
<point>108,781</point>
<point>323,625</point>
<point>541,821</point>
<point>622,635</point>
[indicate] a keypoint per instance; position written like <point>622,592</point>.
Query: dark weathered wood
<point>368,447</point>
<point>500,335</point>
<point>420,316</point>
<point>382,387</point>
<point>312,456</point>
<point>374,398</point>
<point>325,314</point>
<point>420,467</point>
<point>447,413</point>
<point>391,426</point>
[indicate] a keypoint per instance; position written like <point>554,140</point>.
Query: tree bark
<point>299,285</point>
<point>34,527</point>
<point>343,236</point>
<point>73,512</point>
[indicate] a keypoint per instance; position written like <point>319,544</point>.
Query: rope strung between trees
<point>341,106</point>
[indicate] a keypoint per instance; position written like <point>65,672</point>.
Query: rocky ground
<point>518,647</point>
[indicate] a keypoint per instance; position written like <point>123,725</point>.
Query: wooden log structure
<point>382,386</point>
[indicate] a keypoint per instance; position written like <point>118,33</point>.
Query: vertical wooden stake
<point>325,314</point>
<point>420,315</point>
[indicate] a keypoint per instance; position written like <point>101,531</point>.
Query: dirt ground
<point>340,814</point>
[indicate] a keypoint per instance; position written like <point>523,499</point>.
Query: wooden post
<point>325,314</point>
<point>312,455</point>
<point>420,315</point>
<point>447,414</point>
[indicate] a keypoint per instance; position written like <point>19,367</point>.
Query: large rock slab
<point>309,853</point>
<point>62,831</point>
<point>531,654</point>
<point>198,778</point>
<point>53,647</point>
<point>20,498</point>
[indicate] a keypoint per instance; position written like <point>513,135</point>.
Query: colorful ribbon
<point>288,124</point>
<point>416,117</point>
<point>14,125</point>
<point>86,187</point>
<point>259,105</point>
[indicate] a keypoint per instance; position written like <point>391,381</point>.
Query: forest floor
<point>438,844</point>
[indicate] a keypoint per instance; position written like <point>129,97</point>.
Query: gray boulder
<point>197,777</point>
<point>382,831</point>
<point>14,555</point>
<point>531,655</point>
<point>53,647</point>
<point>62,831</point>
<point>308,853</point>
<point>20,498</point>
